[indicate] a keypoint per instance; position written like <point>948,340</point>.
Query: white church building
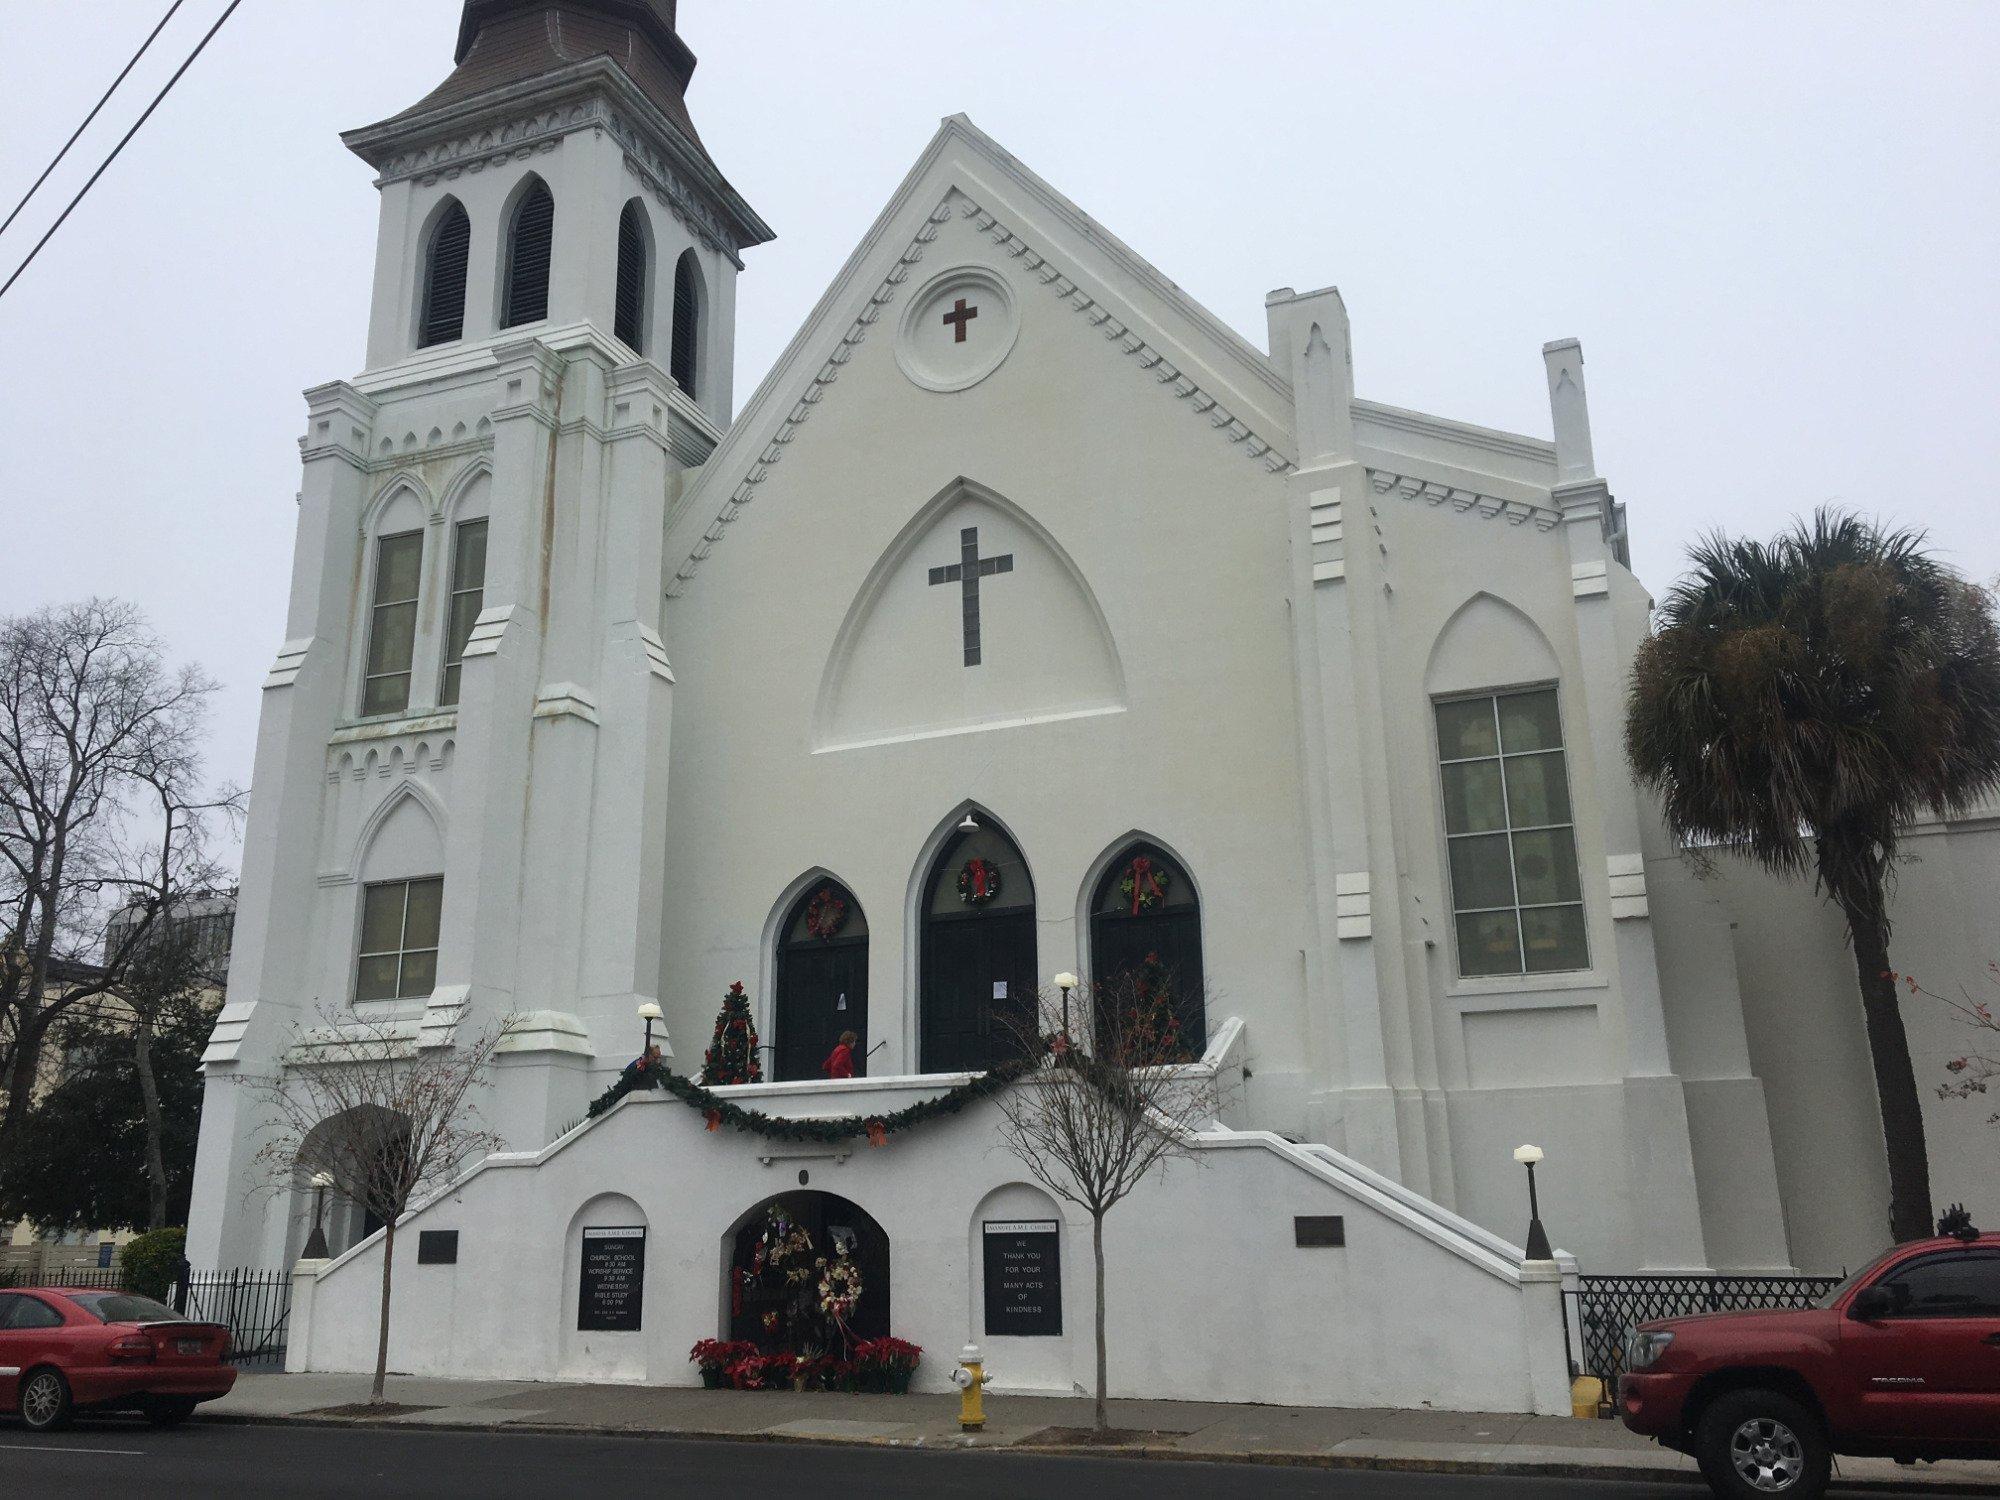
<point>1025,619</point>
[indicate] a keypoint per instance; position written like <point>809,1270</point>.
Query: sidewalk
<point>1463,1442</point>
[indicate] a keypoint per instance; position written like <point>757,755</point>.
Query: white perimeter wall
<point>1209,1297</point>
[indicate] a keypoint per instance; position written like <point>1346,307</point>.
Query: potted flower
<point>886,1364</point>
<point>713,1358</point>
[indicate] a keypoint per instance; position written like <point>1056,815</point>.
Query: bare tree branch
<point>1090,1124</point>
<point>380,1120</point>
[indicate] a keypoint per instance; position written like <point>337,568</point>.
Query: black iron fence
<point>1603,1309</point>
<point>253,1305</point>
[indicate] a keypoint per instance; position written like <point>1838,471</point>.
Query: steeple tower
<point>554,178</point>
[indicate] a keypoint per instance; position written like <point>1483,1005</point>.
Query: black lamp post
<point>316,1241</point>
<point>649,1012</point>
<point>1538,1239</point>
<point>1065,982</point>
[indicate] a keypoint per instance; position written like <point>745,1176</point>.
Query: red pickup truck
<point>1901,1360</point>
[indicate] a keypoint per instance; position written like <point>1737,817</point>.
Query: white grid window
<point>392,623</point>
<point>399,939</point>
<point>468,587</point>
<point>1516,899</point>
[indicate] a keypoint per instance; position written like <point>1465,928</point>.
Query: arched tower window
<point>530,241</point>
<point>629,317</point>
<point>822,981</point>
<point>443,317</point>
<point>1145,937</point>
<point>976,963</point>
<point>687,324</point>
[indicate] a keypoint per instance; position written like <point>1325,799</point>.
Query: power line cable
<point>91,116</point>
<point>123,141</point>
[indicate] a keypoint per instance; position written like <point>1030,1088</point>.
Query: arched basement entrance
<point>976,963</point>
<point>772,1299</point>
<point>822,981</point>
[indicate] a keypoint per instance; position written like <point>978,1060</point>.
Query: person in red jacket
<point>840,1062</point>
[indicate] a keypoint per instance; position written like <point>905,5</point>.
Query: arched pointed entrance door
<point>977,959</point>
<point>771,1260</point>
<point>822,981</point>
<point>1145,927</point>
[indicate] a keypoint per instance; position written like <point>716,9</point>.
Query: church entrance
<point>1145,933</point>
<point>773,1266</point>
<point>976,963</point>
<point>822,981</point>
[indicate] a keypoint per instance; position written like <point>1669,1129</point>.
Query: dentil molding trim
<point>1431,492</point>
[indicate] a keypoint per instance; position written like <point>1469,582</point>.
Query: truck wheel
<point>1757,1443</point>
<point>44,1400</point>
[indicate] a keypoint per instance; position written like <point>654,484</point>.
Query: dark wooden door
<point>1120,943</point>
<point>978,988</point>
<point>822,991</point>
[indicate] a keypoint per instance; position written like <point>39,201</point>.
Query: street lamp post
<point>316,1241</point>
<point>1538,1239</point>
<point>649,1012</point>
<point>1065,982</point>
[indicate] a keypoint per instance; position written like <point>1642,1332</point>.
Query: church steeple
<point>554,178</point>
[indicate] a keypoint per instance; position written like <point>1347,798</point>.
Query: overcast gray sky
<point>1774,227</point>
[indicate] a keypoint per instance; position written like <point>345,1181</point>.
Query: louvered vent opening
<point>444,280</point>
<point>631,278</point>
<point>528,258</point>
<point>687,333</point>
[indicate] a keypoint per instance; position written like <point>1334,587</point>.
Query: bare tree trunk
<point>149,1103</point>
<point>382,1339</point>
<point>1903,1142</point>
<point>1097,1249</point>
<point>1852,869</point>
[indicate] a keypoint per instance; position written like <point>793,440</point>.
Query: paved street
<point>303,1462</point>
<point>131,1460</point>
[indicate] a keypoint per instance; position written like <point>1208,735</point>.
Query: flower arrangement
<point>839,1289</point>
<point>880,1365</point>
<point>714,1357</point>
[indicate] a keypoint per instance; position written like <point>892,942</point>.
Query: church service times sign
<point>1023,1278</point>
<point>613,1281</point>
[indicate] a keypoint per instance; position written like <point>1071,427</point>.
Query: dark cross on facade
<point>966,573</point>
<point>958,317</point>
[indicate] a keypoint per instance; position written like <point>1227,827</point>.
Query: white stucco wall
<point>1208,1298</point>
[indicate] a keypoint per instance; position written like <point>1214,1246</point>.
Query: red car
<point>1901,1360</point>
<point>64,1348</point>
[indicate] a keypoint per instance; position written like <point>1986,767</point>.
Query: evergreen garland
<point>720,1111</point>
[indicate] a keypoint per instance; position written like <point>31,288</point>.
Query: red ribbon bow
<point>977,869</point>
<point>1144,883</point>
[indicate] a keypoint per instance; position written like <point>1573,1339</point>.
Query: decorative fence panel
<point>83,1278</point>
<point>1605,1308</point>
<point>253,1305</point>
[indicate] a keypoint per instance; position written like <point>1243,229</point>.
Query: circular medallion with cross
<point>956,329</point>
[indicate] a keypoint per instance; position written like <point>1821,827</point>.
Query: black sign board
<point>437,1247</point>
<point>1023,1278</point>
<point>614,1280</point>
<point>1314,1231</point>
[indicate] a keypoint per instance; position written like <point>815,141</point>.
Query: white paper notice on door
<point>999,989</point>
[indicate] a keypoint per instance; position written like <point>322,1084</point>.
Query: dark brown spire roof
<point>508,41</point>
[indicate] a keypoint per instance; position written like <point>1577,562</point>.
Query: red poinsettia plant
<point>713,1357</point>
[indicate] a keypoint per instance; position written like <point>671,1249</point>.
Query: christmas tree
<point>1152,1030</point>
<point>732,1052</point>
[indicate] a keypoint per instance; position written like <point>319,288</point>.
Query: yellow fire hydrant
<point>971,1377</point>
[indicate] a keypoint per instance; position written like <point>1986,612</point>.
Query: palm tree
<point>1803,701</point>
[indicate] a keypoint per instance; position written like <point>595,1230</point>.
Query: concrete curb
<point>1636,1471</point>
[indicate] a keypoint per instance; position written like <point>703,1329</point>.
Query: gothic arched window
<point>976,965</point>
<point>686,356</point>
<point>1145,934</point>
<point>629,316</point>
<point>822,981</point>
<point>530,242</point>
<point>443,316</point>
